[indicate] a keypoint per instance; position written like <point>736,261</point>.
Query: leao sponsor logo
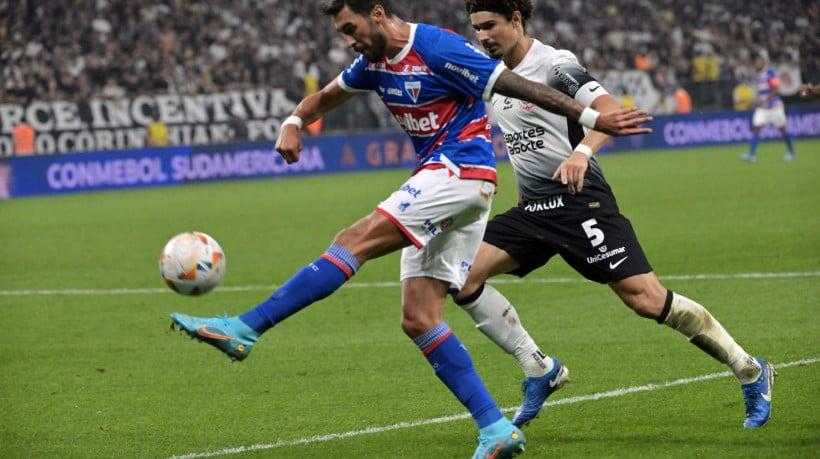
<point>552,202</point>
<point>412,124</point>
<point>524,141</point>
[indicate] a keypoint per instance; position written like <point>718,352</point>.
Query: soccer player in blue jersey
<point>568,209</point>
<point>769,109</point>
<point>434,82</point>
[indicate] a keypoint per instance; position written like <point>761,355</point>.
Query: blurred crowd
<point>79,49</point>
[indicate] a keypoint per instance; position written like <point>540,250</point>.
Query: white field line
<point>423,422</point>
<point>143,291</point>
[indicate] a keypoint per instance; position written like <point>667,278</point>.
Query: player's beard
<point>376,51</point>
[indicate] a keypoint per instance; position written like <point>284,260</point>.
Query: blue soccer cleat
<point>758,396</point>
<point>502,446</point>
<point>228,334</point>
<point>537,389</point>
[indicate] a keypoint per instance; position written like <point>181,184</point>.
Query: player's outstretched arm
<point>619,123</point>
<point>310,109</point>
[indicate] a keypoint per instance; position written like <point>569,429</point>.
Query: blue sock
<point>454,368</point>
<point>312,283</point>
<point>753,145</point>
<point>789,143</point>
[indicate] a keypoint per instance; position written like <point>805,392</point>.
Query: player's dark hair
<point>505,8</point>
<point>363,7</point>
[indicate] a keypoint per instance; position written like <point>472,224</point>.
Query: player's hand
<point>807,89</point>
<point>624,121</point>
<point>572,171</point>
<point>289,143</point>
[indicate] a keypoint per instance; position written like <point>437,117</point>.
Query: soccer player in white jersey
<point>769,110</point>
<point>567,208</point>
<point>434,83</point>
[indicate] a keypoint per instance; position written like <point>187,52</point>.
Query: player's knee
<point>414,326</point>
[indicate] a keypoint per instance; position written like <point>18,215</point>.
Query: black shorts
<point>586,229</point>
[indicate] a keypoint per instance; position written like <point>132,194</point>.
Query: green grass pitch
<point>88,368</point>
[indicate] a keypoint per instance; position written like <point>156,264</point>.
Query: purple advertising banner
<point>69,173</point>
<point>54,174</point>
<point>694,130</point>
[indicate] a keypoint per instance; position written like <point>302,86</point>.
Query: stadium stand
<point>81,49</point>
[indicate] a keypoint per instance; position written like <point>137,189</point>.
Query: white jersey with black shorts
<point>586,228</point>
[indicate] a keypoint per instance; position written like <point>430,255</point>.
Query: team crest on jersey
<point>413,89</point>
<point>526,106</point>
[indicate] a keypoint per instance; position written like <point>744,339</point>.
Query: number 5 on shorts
<point>595,235</point>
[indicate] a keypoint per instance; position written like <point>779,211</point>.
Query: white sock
<point>705,332</point>
<point>499,321</point>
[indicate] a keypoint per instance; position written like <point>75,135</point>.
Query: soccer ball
<point>192,263</point>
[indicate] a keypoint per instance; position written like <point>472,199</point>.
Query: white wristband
<point>294,120</point>
<point>584,150</point>
<point>588,117</point>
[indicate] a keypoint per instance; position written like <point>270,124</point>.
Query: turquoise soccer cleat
<point>506,445</point>
<point>228,334</point>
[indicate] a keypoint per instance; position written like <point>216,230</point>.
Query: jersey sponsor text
<point>412,124</point>
<point>463,71</point>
